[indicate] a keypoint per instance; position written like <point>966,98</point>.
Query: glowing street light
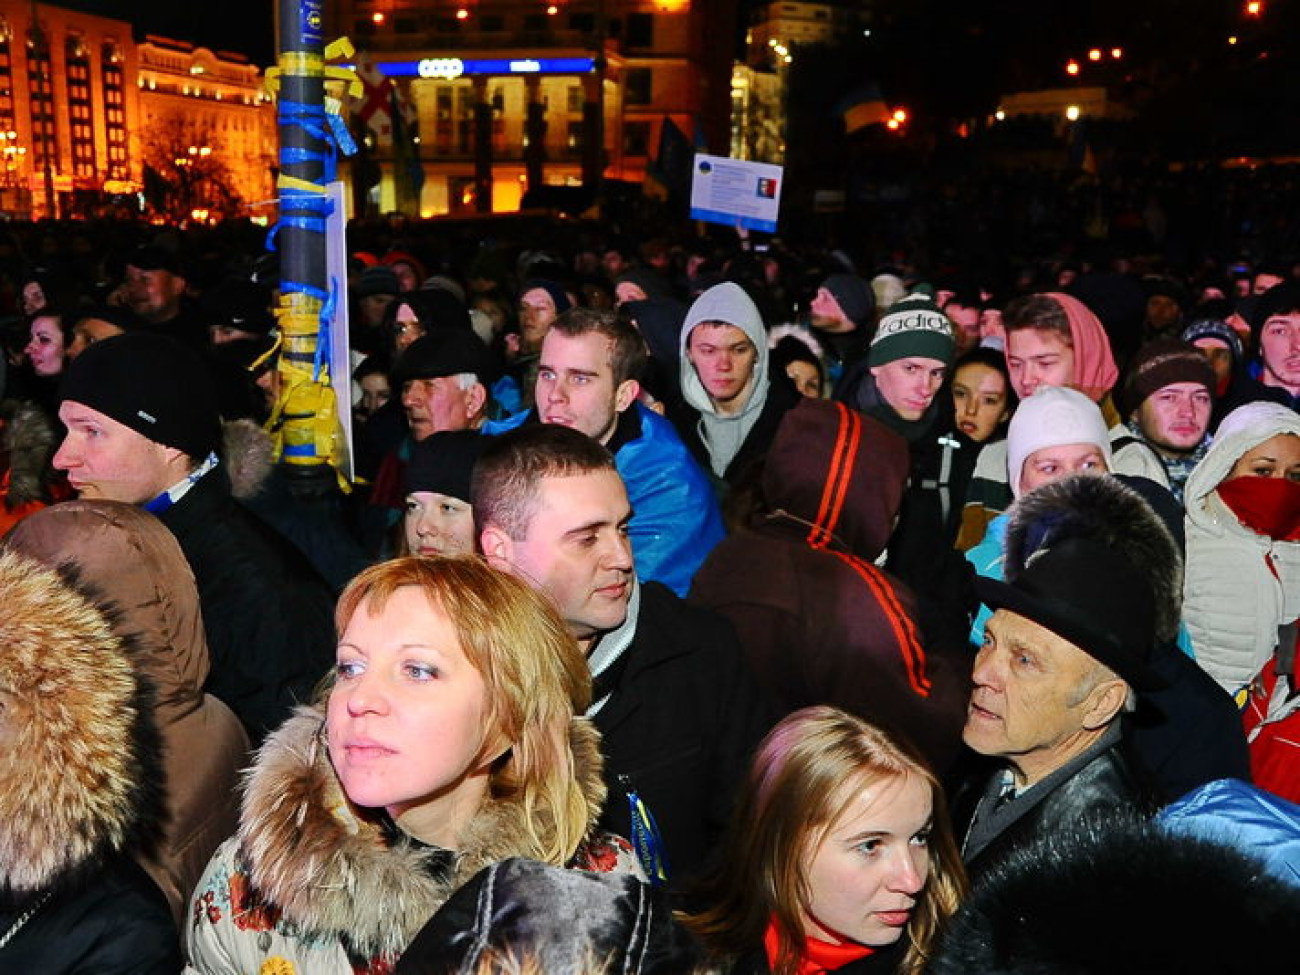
<point>1072,67</point>
<point>462,14</point>
<point>1094,54</point>
<point>1254,8</point>
<point>1116,53</point>
<point>1072,113</point>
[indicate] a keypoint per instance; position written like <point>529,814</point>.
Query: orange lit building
<point>81,103</point>
<point>206,126</point>
<point>67,103</point>
<point>515,95</point>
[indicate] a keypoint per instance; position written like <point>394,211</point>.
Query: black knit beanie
<point>155,386</point>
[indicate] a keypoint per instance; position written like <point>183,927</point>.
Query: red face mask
<point>1266,505</point>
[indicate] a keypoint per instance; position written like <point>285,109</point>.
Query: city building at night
<point>513,96</point>
<point>207,127</point>
<point>84,111</point>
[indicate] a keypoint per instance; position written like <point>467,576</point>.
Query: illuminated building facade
<point>82,104</point>
<point>511,96</point>
<point>67,102</point>
<point>207,127</point>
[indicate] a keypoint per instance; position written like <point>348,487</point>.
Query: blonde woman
<point>448,742</point>
<point>840,857</point>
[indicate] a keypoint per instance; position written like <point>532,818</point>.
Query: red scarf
<point>817,957</point>
<point>1266,505</point>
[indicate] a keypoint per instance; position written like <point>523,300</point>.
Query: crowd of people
<point>685,614</point>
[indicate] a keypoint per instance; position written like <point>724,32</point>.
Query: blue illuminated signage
<point>449,68</point>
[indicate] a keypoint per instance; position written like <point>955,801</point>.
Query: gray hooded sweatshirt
<point>724,435</point>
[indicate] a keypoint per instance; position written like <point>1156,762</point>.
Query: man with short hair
<point>1167,399</point>
<point>964,309</point>
<point>143,428</point>
<point>154,289</point>
<point>1069,643</point>
<point>1277,325</point>
<point>677,709</point>
<point>842,312</point>
<point>730,405</point>
<point>587,380</point>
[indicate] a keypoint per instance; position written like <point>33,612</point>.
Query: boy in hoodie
<point>732,407</point>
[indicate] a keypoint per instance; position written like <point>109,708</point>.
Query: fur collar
<point>330,868</point>
<point>78,772</point>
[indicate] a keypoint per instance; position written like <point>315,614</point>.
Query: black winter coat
<point>115,922</point>
<point>680,728</point>
<point>268,615</point>
<point>1109,784</point>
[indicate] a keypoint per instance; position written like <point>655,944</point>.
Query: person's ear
<point>1103,703</point>
<point>475,400</point>
<point>498,548</point>
<point>626,394</point>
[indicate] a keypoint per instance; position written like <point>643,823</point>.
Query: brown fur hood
<point>329,867</point>
<point>78,779</point>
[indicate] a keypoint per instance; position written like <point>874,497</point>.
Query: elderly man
<point>1167,400</point>
<point>1070,642</point>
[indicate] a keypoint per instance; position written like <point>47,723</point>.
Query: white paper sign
<point>736,192</point>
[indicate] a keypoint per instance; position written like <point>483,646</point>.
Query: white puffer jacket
<point>1233,602</point>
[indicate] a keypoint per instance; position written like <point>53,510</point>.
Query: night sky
<point>244,26</point>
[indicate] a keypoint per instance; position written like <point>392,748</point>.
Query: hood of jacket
<point>728,303</point>
<point>133,564</point>
<point>1241,431</point>
<point>1107,511</point>
<point>78,777</point>
<point>838,475</point>
<point>329,866</point>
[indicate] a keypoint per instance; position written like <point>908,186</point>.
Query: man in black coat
<point>1069,644</point>
<point>678,710</point>
<point>143,428</point>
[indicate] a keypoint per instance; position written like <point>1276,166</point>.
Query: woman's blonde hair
<point>536,681</point>
<point>796,790</point>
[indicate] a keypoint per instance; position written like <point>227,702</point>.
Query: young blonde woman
<point>840,858</point>
<point>448,742</point>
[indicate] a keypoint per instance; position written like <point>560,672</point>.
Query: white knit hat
<point>1053,417</point>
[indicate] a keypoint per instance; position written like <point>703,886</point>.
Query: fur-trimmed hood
<point>330,867</point>
<point>1105,510</point>
<point>78,774</point>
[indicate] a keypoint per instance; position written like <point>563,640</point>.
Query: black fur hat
<point>1123,898</point>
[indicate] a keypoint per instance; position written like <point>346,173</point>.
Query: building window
<point>80,123</point>
<point>639,86</point>
<point>45,136</point>
<point>640,30</point>
<point>114,88</point>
